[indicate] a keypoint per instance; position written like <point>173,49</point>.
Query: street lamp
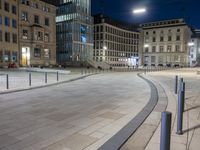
<point>139,10</point>
<point>191,44</point>
<point>105,48</point>
<point>146,45</point>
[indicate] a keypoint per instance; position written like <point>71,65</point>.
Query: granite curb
<point>118,140</point>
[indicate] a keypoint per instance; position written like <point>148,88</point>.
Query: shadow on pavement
<point>195,107</point>
<point>193,128</point>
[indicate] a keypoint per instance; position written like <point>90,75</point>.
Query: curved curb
<point>43,86</point>
<point>126,132</point>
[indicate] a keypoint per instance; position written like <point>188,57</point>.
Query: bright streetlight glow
<point>146,45</point>
<point>191,44</point>
<point>139,10</point>
<point>105,48</point>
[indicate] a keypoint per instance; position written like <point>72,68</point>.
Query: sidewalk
<point>20,80</point>
<point>190,140</point>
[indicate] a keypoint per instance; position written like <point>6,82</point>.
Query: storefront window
<point>6,56</point>
<point>1,56</point>
<point>37,52</point>
<point>14,56</point>
<point>46,53</point>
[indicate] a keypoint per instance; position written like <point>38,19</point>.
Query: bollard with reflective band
<point>176,85</point>
<point>180,84</point>
<point>183,89</point>
<point>30,79</point>
<point>45,77</point>
<point>57,76</point>
<point>165,135</point>
<point>7,82</point>
<point>180,113</point>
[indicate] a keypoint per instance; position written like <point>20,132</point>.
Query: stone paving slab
<point>78,115</point>
<point>124,134</point>
<point>191,123</point>
<point>140,139</point>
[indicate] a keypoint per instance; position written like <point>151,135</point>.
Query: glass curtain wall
<point>74,31</point>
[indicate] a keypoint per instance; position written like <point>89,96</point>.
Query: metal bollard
<point>7,82</point>
<point>165,131</point>
<point>183,90</point>
<point>81,71</point>
<point>180,113</point>
<point>30,79</point>
<point>176,85</point>
<point>57,76</point>
<point>45,77</point>
<point>180,84</point>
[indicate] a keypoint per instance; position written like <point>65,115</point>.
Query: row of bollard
<point>30,79</point>
<point>93,71</point>
<point>165,136</point>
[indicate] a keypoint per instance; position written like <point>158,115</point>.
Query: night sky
<point>156,10</point>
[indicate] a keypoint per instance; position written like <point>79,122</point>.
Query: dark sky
<point>156,10</point>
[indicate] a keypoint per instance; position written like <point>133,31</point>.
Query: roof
<point>100,18</point>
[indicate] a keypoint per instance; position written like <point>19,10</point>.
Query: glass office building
<point>74,28</point>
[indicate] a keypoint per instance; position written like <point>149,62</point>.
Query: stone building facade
<point>165,43</point>
<point>8,33</point>
<point>37,33</point>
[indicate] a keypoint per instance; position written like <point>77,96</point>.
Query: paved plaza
<point>19,79</point>
<point>82,114</point>
<point>93,111</point>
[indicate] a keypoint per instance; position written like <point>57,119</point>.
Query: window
<point>25,34</point>
<point>26,2</point>
<point>14,9</point>
<point>169,38</point>
<point>24,16</point>
<point>6,56</point>
<point>7,36</point>
<point>1,53</point>
<point>14,23</point>
<point>14,57</point>
<point>154,39</point>
<point>46,53</point>
<point>37,52</point>
<point>178,30</point>
<point>178,38</point>
<point>161,39</point>
<point>39,36</point>
<point>46,21</point>
<point>0,19</point>
<point>1,36</point>
<point>161,49</point>
<point>177,48</point>
<point>14,38</point>
<point>154,32</point>
<point>46,37</point>
<point>153,49</point>
<point>36,19</point>
<point>35,5</point>
<point>169,48</point>
<point>147,33</point>
<point>146,49</point>
<point>7,21</point>
<point>6,7</point>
